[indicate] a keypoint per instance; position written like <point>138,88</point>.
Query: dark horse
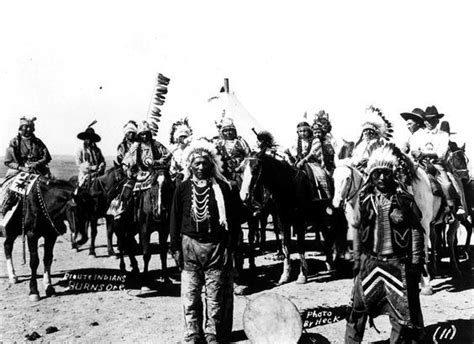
<point>290,189</point>
<point>42,213</point>
<point>151,212</point>
<point>457,162</point>
<point>100,194</point>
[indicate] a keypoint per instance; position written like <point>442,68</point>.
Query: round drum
<point>272,318</point>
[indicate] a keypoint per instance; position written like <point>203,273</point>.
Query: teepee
<point>225,104</point>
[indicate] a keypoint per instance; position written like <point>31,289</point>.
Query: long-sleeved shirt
<point>90,161</point>
<point>22,152</point>
<point>430,141</point>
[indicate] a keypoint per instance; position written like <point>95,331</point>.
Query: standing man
<point>203,216</point>
<point>130,134</point>
<point>388,253</point>
<point>89,157</point>
<point>26,152</point>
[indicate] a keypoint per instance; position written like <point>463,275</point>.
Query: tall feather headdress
<point>157,100</point>
<point>376,120</point>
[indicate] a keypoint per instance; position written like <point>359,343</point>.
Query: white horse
<point>347,184</point>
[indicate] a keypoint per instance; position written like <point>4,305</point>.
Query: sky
<point>71,62</point>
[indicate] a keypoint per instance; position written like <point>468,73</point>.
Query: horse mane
<point>61,183</point>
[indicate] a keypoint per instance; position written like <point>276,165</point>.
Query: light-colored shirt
<point>430,141</point>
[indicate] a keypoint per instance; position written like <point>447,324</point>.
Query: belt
<point>385,257</point>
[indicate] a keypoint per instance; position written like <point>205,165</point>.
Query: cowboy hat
<point>431,112</point>
<point>416,115</point>
<point>444,126</point>
<point>90,134</point>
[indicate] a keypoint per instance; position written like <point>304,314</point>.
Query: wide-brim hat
<point>90,134</point>
<point>416,115</point>
<point>431,112</point>
<point>444,126</point>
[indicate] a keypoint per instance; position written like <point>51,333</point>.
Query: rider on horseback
<point>180,137</point>
<point>89,158</point>
<point>130,133</point>
<point>25,153</point>
<point>314,154</point>
<point>415,122</point>
<point>144,157</point>
<point>429,148</point>
<point>233,149</point>
<point>376,129</point>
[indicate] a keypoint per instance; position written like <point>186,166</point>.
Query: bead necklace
<point>200,204</point>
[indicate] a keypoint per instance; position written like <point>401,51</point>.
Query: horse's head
<point>111,178</point>
<point>250,178</point>
<point>347,182</point>
<point>459,162</point>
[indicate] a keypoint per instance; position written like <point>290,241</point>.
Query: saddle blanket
<point>23,183</point>
<point>144,181</point>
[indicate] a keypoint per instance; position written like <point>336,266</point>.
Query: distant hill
<point>62,166</point>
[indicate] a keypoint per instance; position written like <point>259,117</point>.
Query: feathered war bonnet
<point>205,149</point>
<point>180,128</point>
<point>376,121</point>
<point>383,157</point>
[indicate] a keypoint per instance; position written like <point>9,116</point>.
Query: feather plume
<point>93,122</point>
<point>157,100</point>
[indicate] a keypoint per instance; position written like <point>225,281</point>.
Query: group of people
<point>206,212</point>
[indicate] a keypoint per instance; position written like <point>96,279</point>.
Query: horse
<point>261,207</point>
<point>458,164</point>
<point>347,184</point>
<point>43,212</point>
<point>151,212</point>
<point>100,194</point>
<point>290,190</point>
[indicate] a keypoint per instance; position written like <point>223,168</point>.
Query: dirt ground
<point>132,316</point>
